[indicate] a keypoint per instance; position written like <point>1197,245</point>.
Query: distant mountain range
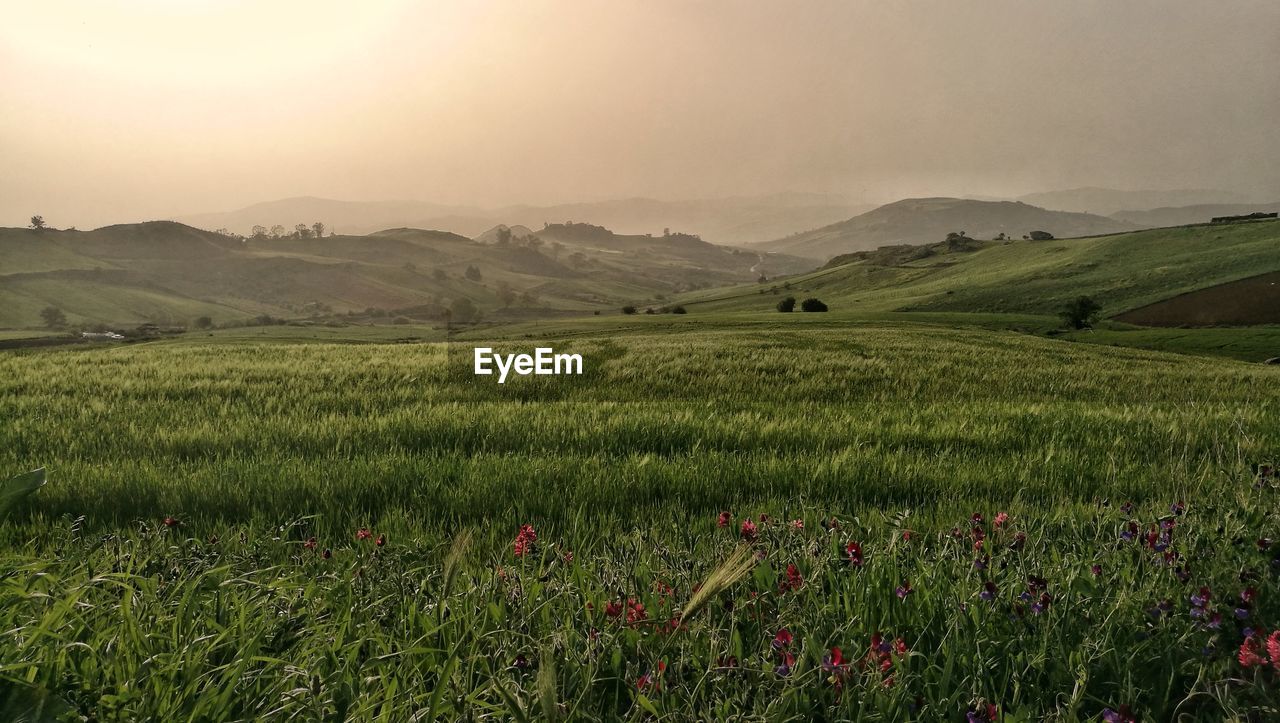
<point>169,273</point>
<point>929,220</point>
<point>734,221</point>
<point>1108,201</point>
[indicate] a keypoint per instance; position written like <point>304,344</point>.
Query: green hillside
<point>168,273</point>
<point>1121,271</point>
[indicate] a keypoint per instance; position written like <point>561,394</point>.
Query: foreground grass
<point>253,450</point>
<point>1052,614</point>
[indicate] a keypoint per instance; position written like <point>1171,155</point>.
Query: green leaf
<point>15,489</point>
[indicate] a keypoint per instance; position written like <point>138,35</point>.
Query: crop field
<point>876,521</point>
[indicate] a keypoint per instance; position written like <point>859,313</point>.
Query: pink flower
<point>782,639</point>
<point>1273,649</point>
<point>748,530</point>
<point>793,581</point>
<point>1001,518</point>
<point>363,533</point>
<point>723,519</point>
<point>853,553</point>
<point>525,539</point>
<point>310,544</point>
<point>797,524</point>
<point>1249,656</point>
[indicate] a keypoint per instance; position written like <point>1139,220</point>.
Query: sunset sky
<point>122,110</point>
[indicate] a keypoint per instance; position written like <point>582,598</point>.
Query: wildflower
<point>764,518</point>
<point>748,530</point>
<point>1129,532</point>
<point>981,562</point>
<point>853,552</point>
<point>1201,597</point>
<point>652,681</point>
<point>1249,654</point>
<point>782,639</point>
<point>904,590</point>
<point>1042,604</point>
<point>792,581</point>
<point>797,524</point>
<point>1019,541</point>
<point>613,609</point>
<point>730,661</point>
<point>1264,543</point>
<point>784,668</point>
<point>977,518</point>
<point>382,540</point>
<point>988,591</point>
<point>1000,519</point>
<point>520,663</point>
<point>1273,649</point>
<point>363,533</point>
<point>983,712</point>
<point>171,522</point>
<point>1248,595</point>
<point>906,535</point>
<point>723,519</point>
<point>1178,508</point>
<point>1096,570</point>
<point>327,553</point>
<point>1123,715</point>
<point>310,544</point>
<point>635,612</point>
<point>833,662</point>
<point>525,540</point>
<point>1127,508</point>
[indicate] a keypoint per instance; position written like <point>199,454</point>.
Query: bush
<point>628,310</point>
<point>679,310</point>
<point>53,317</point>
<point>203,322</point>
<point>787,305</point>
<point>812,305</point>
<point>1081,313</point>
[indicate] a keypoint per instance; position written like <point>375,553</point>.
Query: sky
<point>124,110</point>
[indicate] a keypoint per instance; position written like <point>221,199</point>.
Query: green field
<point>268,457</point>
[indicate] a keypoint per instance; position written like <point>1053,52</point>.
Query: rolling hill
<point>1109,201</point>
<point>928,220</point>
<point>1123,272</point>
<point>735,220</point>
<point>1184,215</point>
<point>169,273</point>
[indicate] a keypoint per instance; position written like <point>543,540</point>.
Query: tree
<point>812,305</point>
<point>462,310</point>
<point>628,310</point>
<point>1081,313</point>
<point>317,228</point>
<point>37,222</point>
<point>1041,236</point>
<point>302,231</point>
<point>473,273</point>
<point>203,322</point>
<point>504,236</point>
<point>53,317</point>
<point>277,231</point>
<point>259,232</point>
<point>506,295</point>
<point>787,305</point>
<point>440,275</point>
<point>679,310</point>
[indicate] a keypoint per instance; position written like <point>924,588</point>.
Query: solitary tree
<point>473,273</point>
<point>628,309</point>
<point>812,305</point>
<point>787,305</point>
<point>37,222</point>
<point>462,310</point>
<point>53,317</point>
<point>203,322</point>
<point>317,228</point>
<point>1081,313</point>
<point>259,232</point>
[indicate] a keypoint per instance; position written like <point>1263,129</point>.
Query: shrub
<point>679,310</point>
<point>787,305</point>
<point>628,310</point>
<point>1081,313</point>
<point>203,322</point>
<point>812,305</point>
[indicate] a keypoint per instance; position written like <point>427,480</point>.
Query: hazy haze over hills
<point>1106,201</point>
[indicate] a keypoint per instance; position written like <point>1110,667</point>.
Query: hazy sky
<point>116,110</point>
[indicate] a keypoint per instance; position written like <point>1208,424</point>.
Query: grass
<point>1121,271</point>
<point>1251,344</point>
<point>266,456</point>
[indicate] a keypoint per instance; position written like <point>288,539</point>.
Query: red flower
<point>635,612</point>
<point>748,530</point>
<point>1249,652</point>
<point>310,544</point>
<point>524,540</point>
<point>327,553</point>
<point>853,552</point>
<point>171,522</point>
<point>906,535</point>
<point>1001,518</point>
<point>782,639</point>
<point>382,540</point>
<point>652,681</point>
<point>1273,649</point>
<point>723,520</point>
<point>797,524</point>
<point>613,609</point>
<point>363,533</point>
<point>793,580</point>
